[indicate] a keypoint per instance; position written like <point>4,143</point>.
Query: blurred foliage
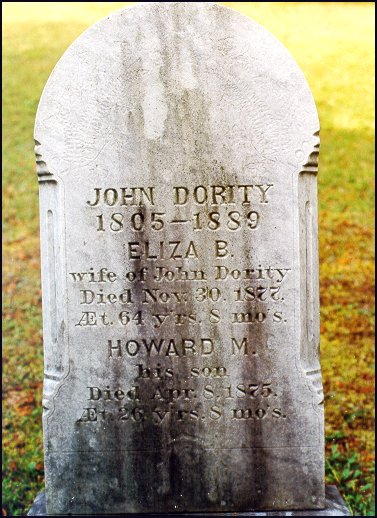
<point>333,42</point>
<point>355,483</point>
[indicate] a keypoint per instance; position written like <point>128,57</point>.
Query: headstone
<point>177,150</point>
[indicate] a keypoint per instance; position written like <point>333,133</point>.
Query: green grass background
<point>333,42</point>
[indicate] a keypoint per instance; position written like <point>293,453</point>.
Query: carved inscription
<point>166,305</point>
<point>125,404</point>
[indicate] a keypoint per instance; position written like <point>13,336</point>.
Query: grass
<point>333,44</point>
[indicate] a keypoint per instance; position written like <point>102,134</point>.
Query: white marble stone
<point>334,506</point>
<point>177,150</point>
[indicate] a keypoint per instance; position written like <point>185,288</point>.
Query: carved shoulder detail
<point>309,297</point>
<point>311,165</point>
<point>315,378</point>
<point>53,281</point>
<point>44,174</point>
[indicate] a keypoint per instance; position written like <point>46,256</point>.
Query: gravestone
<point>177,149</point>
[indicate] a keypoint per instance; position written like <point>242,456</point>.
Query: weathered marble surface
<point>177,153</point>
<point>334,506</point>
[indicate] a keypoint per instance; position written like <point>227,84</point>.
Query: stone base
<point>335,506</point>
